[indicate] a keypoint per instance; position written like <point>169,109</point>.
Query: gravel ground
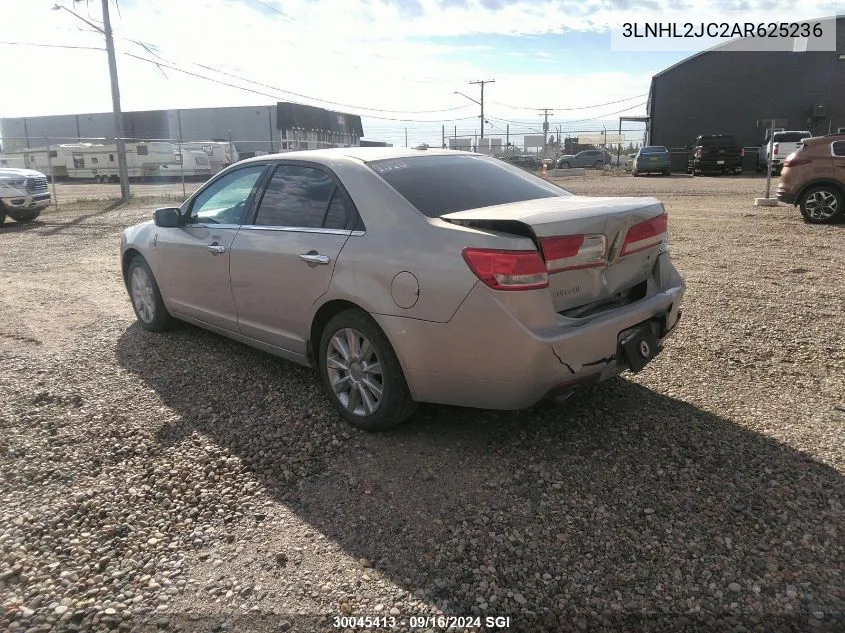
<point>185,482</point>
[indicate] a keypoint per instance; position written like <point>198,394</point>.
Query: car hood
<point>22,173</point>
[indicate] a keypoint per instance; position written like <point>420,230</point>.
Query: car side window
<point>338,215</point>
<point>838,148</point>
<point>224,200</point>
<point>296,196</point>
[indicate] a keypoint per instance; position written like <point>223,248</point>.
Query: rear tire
<point>146,297</point>
<point>361,373</point>
<point>2,213</point>
<point>822,205</point>
<point>565,165</point>
<point>599,164</point>
<point>26,218</point>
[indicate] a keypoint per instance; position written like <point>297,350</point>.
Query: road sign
<point>600,139</point>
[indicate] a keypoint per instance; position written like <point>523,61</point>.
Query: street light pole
<point>115,94</point>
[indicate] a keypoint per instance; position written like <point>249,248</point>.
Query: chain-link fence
<point>87,168</point>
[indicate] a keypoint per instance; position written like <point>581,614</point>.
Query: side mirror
<point>168,217</point>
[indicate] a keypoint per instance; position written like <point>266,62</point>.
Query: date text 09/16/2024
<point>420,621</point>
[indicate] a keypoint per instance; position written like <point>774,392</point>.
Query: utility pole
<point>115,99</point>
<point>181,153</point>
<point>508,139</point>
<point>481,83</point>
<point>546,125</point>
<point>406,137</point>
<point>115,94</point>
<point>443,136</point>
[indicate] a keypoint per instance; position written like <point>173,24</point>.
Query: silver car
<point>408,276</point>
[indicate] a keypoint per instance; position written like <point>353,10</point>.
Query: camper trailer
<point>189,163</point>
<point>12,160</point>
<point>90,161</point>
<point>220,154</point>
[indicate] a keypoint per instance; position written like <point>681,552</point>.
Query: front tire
<point>822,205</point>
<point>565,165</point>
<point>146,297</point>
<point>361,373</point>
<point>26,218</point>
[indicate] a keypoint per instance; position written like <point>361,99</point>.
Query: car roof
<point>364,154</point>
<point>828,138</point>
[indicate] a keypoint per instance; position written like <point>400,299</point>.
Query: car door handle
<point>216,249</point>
<point>314,258</point>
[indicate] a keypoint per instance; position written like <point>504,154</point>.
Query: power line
<point>597,105</point>
<point>276,96</point>
<point>90,48</point>
<point>272,8</point>
<point>601,116</point>
<point>265,94</point>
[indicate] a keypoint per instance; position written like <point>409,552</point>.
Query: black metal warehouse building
<point>727,90</point>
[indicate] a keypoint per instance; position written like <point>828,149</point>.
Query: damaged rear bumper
<point>486,357</point>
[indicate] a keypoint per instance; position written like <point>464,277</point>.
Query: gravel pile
<point>183,482</point>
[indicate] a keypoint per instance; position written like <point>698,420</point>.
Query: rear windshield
<point>652,150</point>
<point>437,185</point>
<point>791,137</point>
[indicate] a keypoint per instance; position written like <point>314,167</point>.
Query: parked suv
<point>813,178</point>
<point>588,158</point>
<point>782,145</point>
<point>23,194</point>
<point>715,153</point>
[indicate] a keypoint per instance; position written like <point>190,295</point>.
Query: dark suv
<point>719,153</point>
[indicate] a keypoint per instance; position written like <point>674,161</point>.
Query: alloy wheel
<point>355,372</point>
<point>821,205</point>
<point>142,295</point>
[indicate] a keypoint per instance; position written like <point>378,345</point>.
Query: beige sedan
<point>408,276</point>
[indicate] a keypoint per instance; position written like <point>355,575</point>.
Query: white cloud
<point>354,52</point>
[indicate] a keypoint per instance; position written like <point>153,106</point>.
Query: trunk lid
<point>606,275</point>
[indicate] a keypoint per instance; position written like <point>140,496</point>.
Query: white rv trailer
<point>192,163</point>
<point>11,160</point>
<point>220,154</point>
<point>90,161</point>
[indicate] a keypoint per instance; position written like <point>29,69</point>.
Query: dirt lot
<point>185,482</point>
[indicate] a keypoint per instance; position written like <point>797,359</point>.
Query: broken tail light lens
<point>507,270</point>
<point>645,235</point>
<point>574,252</point>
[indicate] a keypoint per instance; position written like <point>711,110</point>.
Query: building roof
<point>732,44</point>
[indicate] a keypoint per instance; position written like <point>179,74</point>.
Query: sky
<point>397,63</point>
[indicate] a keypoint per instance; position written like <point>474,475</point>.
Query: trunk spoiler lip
<point>548,210</point>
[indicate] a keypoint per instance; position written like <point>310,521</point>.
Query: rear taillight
<point>645,235</point>
<point>795,159</point>
<point>573,252</point>
<point>741,152</point>
<point>508,270</point>
<point>698,153</point>
<point>775,150</point>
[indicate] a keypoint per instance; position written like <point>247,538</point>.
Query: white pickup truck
<point>23,194</point>
<point>782,144</point>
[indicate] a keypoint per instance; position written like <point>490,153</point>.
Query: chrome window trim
<point>204,225</point>
<point>297,229</point>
